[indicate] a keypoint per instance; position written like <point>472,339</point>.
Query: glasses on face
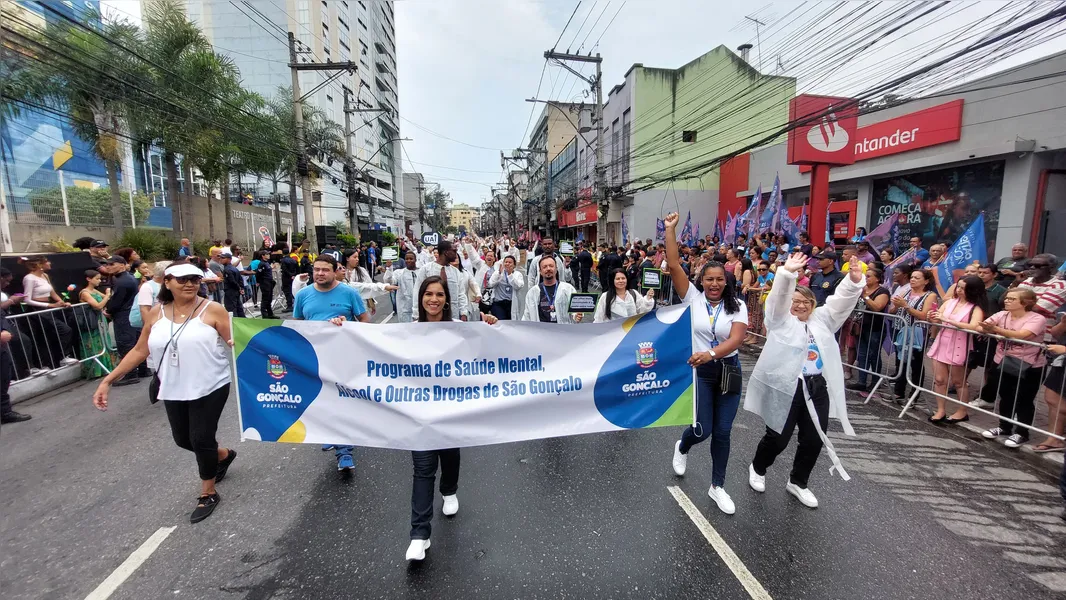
<point>1039,265</point>
<point>763,269</point>
<point>187,279</point>
<point>1009,299</point>
<point>801,303</point>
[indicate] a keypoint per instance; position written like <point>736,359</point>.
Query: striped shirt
<point>1050,295</point>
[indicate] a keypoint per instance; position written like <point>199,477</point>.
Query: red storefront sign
<point>582,215</point>
<point>826,137</point>
<point>932,126</point>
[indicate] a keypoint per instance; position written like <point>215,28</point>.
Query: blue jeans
<point>714,417</point>
<point>340,450</point>
<point>868,356</point>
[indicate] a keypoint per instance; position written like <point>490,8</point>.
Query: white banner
<point>422,386</point>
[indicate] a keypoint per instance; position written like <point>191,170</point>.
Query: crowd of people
<point>821,320</point>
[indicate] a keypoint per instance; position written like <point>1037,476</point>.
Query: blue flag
<point>660,231</point>
<point>747,221</point>
<point>790,230</point>
<point>718,233</point>
<point>771,217</point>
<point>970,247</point>
<point>685,237</point>
<point>625,231</point>
<point>580,236</point>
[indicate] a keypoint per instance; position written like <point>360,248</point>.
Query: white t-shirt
<point>812,365</point>
<point>703,315</point>
<point>147,294</point>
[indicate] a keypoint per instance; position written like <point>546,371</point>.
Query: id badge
<point>174,359</point>
<point>552,315</point>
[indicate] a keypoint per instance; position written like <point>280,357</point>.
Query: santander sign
<point>823,130</point>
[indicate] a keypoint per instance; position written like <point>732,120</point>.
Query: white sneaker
<point>992,434</point>
<point>722,499</point>
<point>1015,441</point>
<point>804,495</point>
<point>756,481</point>
<point>979,403</point>
<point>417,549</point>
<point>680,460</point>
<point>451,505</point>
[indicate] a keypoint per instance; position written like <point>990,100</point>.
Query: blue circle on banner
<point>277,375</point>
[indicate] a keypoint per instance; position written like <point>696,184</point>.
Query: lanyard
<point>713,317</point>
<point>551,299</point>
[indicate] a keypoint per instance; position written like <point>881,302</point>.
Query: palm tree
<point>91,74</point>
<point>187,70</point>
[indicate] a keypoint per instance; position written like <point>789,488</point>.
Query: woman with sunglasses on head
<point>802,356</point>
<point>188,341</point>
<point>715,340</point>
<point>434,306</point>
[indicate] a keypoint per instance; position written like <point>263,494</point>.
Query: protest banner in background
<point>390,253</point>
<point>566,248</point>
<point>651,279</point>
<point>421,386</point>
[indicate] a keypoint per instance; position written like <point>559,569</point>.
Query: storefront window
<point>938,206</point>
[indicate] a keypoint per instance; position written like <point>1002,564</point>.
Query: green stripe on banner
<point>679,413</point>
<point>245,329</point>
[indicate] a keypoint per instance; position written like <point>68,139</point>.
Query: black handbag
<point>153,386</point>
<point>731,379</point>
<point>1014,366</point>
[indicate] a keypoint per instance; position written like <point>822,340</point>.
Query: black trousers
<point>194,423</point>
<point>126,338</point>
<point>266,300</point>
<point>425,463</point>
<point>586,275</point>
<point>286,288</point>
<point>7,373</point>
<point>917,372</point>
<point>810,444</point>
<point>53,336</point>
<point>231,299</point>
<point>501,309</point>
<point>1016,396</point>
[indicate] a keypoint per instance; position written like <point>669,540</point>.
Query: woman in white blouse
<point>620,302</point>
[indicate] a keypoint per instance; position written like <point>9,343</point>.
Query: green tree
<point>91,74</point>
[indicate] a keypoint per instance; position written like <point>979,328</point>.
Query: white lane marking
<point>730,558</point>
<point>119,575</point>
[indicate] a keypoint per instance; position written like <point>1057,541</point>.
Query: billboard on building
<point>937,206</point>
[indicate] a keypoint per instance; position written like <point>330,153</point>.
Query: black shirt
<point>546,305</point>
<point>264,273</point>
<point>231,277</point>
<point>824,285</point>
<point>872,324</point>
<point>123,294</point>
<point>289,268</point>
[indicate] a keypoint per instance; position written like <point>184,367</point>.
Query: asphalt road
<point>928,514</point>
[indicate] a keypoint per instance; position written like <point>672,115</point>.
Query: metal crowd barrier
<point>44,341</point>
<point>1020,396</point>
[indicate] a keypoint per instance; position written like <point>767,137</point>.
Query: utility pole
<point>421,189</point>
<point>355,193</point>
<point>596,81</point>
<point>302,169</point>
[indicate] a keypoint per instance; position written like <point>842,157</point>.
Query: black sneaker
<point>14,417</point>
<point>855,386</point>
<point>204,507</point>
<point>223,465</point>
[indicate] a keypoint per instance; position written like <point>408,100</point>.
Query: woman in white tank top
<point>187,340</point>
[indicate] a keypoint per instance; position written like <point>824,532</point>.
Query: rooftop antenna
<point>760,20</point>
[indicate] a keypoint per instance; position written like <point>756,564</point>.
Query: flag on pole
<point>802,221</point>
<point>729,236</point>
<point>771,217</point>
<point>718,233</point>
<point>747,221</point>
<point>625,231</point>
<point>790,230</point>
<point>686,232</point>
<point>906,257</point>
<point>696,233</point>
<point>884,235</point>
<point>828,225</point>
<point>580,236</point>
<point>970,247</point>
<point>660,231</point>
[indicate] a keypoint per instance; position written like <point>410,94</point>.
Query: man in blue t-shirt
<point>333,301</point>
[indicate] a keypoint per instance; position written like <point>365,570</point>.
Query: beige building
<point>463,216</point>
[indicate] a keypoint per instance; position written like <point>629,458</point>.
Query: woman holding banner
<point>434,306</point>
<point>622,302</point>
<point>715,360</point>
<point>801,354</point>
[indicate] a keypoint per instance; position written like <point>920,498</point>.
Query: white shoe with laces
<point>804,495</point>
<point>992,434</point>
<point>1015,441</point>
<point>451,505</point>
<point>979,403</point>
<point>680,460</point>
<point>756,481</point>
<point>722,499</point>
<point>417,549</point>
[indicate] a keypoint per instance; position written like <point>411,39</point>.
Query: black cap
<point>98,244</point>
<point>117,260</point>
<point>828,254</point>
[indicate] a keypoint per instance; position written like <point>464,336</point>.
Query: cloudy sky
<point>467,66</point>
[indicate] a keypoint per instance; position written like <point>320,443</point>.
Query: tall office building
<point>253,34</point>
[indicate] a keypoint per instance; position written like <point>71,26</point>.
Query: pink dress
<point>952,346</point>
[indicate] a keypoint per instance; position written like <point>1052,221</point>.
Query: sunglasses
<point>761,270</point>
<point>1039,265</point>
<point>187,279</point>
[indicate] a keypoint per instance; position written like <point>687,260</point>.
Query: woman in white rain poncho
<point>799,379</point>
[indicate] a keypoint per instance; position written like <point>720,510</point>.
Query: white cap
<point>183,270</point>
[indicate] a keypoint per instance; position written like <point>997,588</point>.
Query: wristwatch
<point>713,355</point>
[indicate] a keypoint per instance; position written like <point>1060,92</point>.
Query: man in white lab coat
<point>547,246</point>
<point>548,300</point>
<point>446,255</point>
<point>404,279</point>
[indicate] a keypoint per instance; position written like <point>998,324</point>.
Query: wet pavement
<point>929,513</point>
